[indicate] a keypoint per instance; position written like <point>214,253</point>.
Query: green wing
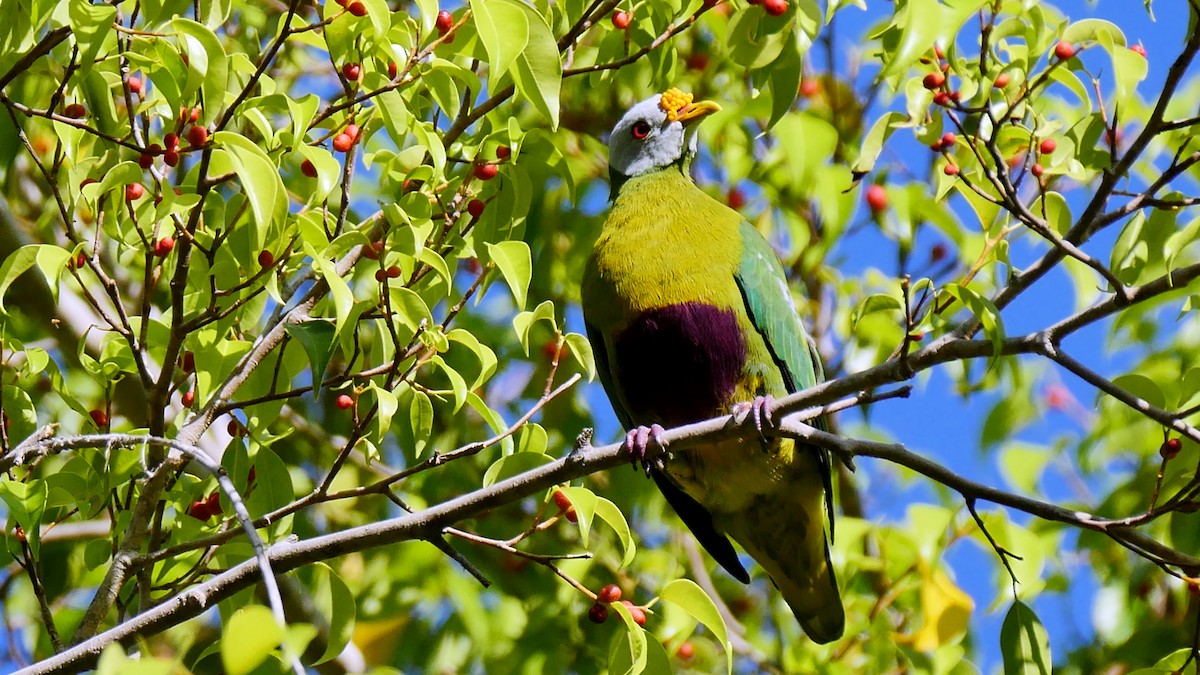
<point>691,512</point>
<point>769,304</point>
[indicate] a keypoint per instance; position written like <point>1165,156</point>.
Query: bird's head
<point>655,134</point>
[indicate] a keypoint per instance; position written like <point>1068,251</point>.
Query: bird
<point>690,317</point>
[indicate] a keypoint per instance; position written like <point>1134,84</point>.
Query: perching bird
<point>690,316</point>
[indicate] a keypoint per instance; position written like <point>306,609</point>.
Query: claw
<point>638,443</point>
<point>760,409</point>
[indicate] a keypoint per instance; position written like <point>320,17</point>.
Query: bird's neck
<point>618,180</point>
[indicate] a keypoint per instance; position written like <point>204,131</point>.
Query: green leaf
<point>984,310</point>
<point>688,596</point>
<point>420,416</point>
<point>538,70</point>
<point>584,501</point>
<point>628,653</point>
<point>525,321</point>
<point>388,404</point>
<point>318,337</point>
<point>50,260</point>
<point>91,26</point>
<point>879,302</point>
<point>503,30</point>
<point>260,181</point>
<point>516,266</point>
<point>26,502</point>
<point>335,603</point>
<point>206,56</point>
<point>916,28</point>
<point>874,139</point>
<point>1142,387</point>
<point>581,349</point>
<point>612,515</point>
<point>248,639</point>
<point>1024,642</point>
<point>514,465</point>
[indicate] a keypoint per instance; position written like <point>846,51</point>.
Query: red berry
<point>134,191</point>
<point>188,362</point>
<point>171,141</point>
<point>77,262</point>
<point>380,276</point>
<point>936,146</point>
<point>933,81</point>
<point>1138,49</point>
<point>1057,396</point>
<point>194,115</point>
<point>877,198</point>
<point>598,613</point>
<point>444,22</point>
<point>145,160</point>
<point>949,139</point>
<point>698,61</point>
<point>475,207</point>
<point>638,615</point>
<point>171,157</point>
<point>1001,81</point>
<point>610,593</point>
<point>938,252</point>
<point>1170,448</point>
<point>736,199</point>
<point>941,98</point>
<point>686,651</point>
<point>561,500</point>
<point>199,510</point>
<point>344,402</point>
<point>572,517</point>
<point>234,428</point>
<point>393,272</point>
<point>99,417</point>
<point>164,246</point>
<point>352,71</point>
<point>950,169</point>
<point>474,266</point>
<point>550,349</point>
<point>1064,50</point>
<point>135,84</point>
<point>937,51</point>
<point>154,150</point>
<point>393,70</point>
<point>197,136</point>
<point>775,7</point>
<point>486,171</point>
<point>357,8</point>
<point>214,503</point>
<point>620,19</point>
<point>308,168</point>
<point>809,87</point>
<point>955,95</point>
<point>1037,170</point>
<point>503,152</point>
<point>74,111</point>
<point>352,131</point>
<point>1193,587</point>
<point>343,142</point>
<point>373,249</point>
<point>189,397</point>
<point>1047,146</point>
<point>266,258</point>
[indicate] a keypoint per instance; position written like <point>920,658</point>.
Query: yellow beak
<point>697,111</point>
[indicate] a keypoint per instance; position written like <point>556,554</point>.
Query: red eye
<point>641,129</point>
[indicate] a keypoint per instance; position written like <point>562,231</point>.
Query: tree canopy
<point>293,372</point>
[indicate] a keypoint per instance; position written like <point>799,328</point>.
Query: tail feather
<point>790,544</point>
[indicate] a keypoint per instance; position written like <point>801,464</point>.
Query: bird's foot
<point>760,411</point>
<point>639,442</point>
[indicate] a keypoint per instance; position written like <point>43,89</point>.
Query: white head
<point>656,133</point>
